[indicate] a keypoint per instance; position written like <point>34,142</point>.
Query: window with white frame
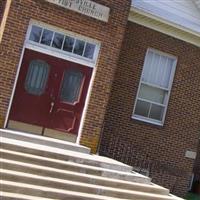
<point>65,43</point>
<point>155,86</point>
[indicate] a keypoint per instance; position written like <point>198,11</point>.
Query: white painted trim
<point>86,106</point>
<point>149,120</point>
<point>146,120</point>
<point>28,45</point>
<point>151,102</point>
<point>60,53</point>
<point>160,25</point>
<point>164,21</point>
<point>156,86</point>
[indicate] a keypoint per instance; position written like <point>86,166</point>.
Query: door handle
<point>52,106</point>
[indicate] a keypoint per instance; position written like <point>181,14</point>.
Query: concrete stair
<point>60,144</point>
<point>36,167</point>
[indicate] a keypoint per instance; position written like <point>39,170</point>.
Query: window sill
<point>142,119</point>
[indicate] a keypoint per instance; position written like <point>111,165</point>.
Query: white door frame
<point>52,52</point>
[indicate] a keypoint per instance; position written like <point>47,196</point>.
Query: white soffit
<point>183,14</point>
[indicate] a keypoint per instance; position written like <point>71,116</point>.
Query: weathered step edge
<point>23,158</point>
<point>9,186</point>
<point>16,196</point>
<point>92,183</point>
<point>42,140</point>
<point>41,150</point>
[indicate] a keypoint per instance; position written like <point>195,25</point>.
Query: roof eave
<point>162,20</point>
<point>153,22</point>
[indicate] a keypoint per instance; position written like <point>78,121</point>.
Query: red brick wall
<point>130,140</point>
<point>109,34</point>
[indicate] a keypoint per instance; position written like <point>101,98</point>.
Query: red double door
<point>50,92</point>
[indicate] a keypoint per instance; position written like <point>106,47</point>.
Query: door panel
<point>63,119</point>
<point>31,101</point>
<point>50,92</point>
<point>72,87</point>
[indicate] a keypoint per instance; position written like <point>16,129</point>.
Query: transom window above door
<point>63,42</point>
<point>155,86</point>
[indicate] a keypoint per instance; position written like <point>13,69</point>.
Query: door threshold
<point>60,135</point>
<point>39,130</point>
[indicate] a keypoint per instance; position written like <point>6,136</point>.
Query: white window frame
<point>149,120</point>
<point>60,53</point>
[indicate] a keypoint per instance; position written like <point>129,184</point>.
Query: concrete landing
<point>43,140</point>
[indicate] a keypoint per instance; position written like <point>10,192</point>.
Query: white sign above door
<point>85,7</point>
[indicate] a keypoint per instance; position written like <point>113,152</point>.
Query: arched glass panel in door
<point>71,86</point>
<point>36,78</point>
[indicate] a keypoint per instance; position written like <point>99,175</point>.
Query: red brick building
<point>120,78</point>
<point>140,142</point>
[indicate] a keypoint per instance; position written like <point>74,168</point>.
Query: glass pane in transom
<point>35,34</point>
<point>79,47</point>
<point>89,50</point>
<point>68,44</point>
<point>58,40</point>
<point>47,37</point>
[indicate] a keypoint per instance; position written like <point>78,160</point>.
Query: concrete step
<point>56,183</point>
<point>49,192</point>
<point>47,141</point>
<point>35,167</point>
<point>65,155</point>
<point>16,196</point>
<point>59,177</point>
<point>12,160</point>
